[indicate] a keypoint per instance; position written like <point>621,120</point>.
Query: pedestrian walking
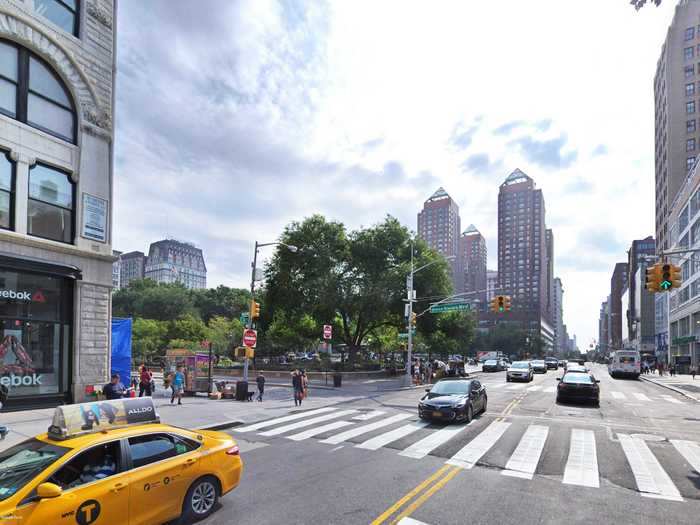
<point>145,380</point>
<point>178,385</point>
<point>693,371</point>
<point>304,384</point>
<point>297,386</point>
<point>260,380</point>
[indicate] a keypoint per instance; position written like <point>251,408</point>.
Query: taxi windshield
<point>23,462</point>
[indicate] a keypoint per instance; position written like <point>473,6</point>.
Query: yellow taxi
<point>113,463</point>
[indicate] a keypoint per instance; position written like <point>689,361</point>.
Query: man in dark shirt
<point>114,389</point>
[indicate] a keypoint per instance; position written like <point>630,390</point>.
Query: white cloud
<point>251,114</point>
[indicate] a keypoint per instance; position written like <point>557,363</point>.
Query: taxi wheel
<point>200,499</point>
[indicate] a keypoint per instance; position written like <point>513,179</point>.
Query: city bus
<point>625,363</point>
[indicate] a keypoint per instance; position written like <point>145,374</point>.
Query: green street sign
<point>405,335</point>
<point>454,307</point>
<point>244,317</point>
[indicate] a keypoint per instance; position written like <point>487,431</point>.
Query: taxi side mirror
<point>428,389</point>
<point>558,378</point>
<point>48,490</point>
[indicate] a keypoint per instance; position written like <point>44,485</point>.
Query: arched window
<point>32,93</point>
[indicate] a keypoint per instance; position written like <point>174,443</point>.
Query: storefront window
<point>34,333</point>
<point>50,206</point>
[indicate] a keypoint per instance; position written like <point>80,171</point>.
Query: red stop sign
<point>250,337</point>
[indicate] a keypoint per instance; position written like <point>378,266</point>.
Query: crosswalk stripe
<point>306,423</point>
<point>515,387</point>
<point>534,388</point>
<point>423,447</point>
<point>523,462</point>
<point>284,419</point>
<point>368,415</point>
<point>641,397</point>
<point>410,521</point>
<point>358,431</point>
<point>468,455</point>
<point>386,438</point>
<point>690,451</point>
<point>306,434</point>
<point>618,395</point>
<point>550,389</point>
<point>582,464</point>
<point>652,480</point>
<point>672,399</point>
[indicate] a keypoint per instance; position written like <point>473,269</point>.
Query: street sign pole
<point>252,301</point>
<point>409,346</point>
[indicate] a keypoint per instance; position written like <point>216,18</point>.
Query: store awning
<point>24,263</point>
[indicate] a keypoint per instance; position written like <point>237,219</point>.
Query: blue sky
<point>236,117</point>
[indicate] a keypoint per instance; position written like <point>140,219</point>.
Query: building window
<point>32,93</point>
<point>689,71</point>
<point>690,126</point>
<point>688,53</point>
<point>7,185</point>
<point>689,163</point>
<point>50,208</point>
<point>690,89</point>
<point>63,13</point>
<point>689,33</point>
<point>690,107</point>
<point>690,145</point>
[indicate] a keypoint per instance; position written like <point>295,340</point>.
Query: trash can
<point>241,390</point>
<point>337,380</point>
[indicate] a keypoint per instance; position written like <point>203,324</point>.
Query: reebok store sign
<point>16,294</point>
<point>28,380</point>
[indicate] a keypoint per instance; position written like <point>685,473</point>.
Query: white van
<point>625,363</point>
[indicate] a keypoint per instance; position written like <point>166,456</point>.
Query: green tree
<point>187,328</point>
<point>146,298</point>
<point>297,333</point>
<point>355,281</point>
<point>224,334</point>
<point>221,301</point>
<point>148,339</point>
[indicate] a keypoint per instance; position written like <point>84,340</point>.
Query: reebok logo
<point>12,294</point>
<point>13,380</point>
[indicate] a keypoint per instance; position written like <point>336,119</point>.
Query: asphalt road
<point>527,460</point>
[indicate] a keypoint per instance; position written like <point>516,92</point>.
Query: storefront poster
<point>94,218</point>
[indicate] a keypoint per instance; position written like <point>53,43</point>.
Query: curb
<point>220,426</point>
<point>311,385</point>
<point>670,387</point>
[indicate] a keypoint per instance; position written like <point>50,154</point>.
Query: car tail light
<point>233,451</point>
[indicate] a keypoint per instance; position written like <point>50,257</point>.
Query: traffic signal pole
<point>252,305</point>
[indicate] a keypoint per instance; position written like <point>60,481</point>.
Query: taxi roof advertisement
<point>72,420</point>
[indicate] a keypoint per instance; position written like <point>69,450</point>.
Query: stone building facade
<point>57,67</point>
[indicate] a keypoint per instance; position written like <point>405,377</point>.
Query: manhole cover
<point>649,437</point>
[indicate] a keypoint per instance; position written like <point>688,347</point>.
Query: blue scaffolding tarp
<point>121,349</point>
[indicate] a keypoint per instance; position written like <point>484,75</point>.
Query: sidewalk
<point>195,411</point>
<point>682,384</point>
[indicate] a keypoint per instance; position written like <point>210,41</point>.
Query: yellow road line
<point>396,506</point>
<point>427,494</point>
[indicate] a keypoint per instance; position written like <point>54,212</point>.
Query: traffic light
<point>254,310</point>
<point>652,280</point>
<point>500,304</point>
<point>414,318</point>
<point>507,303</point>
<point>670,277</point>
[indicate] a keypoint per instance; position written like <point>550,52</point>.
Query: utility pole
<point>409,347</point>
<point>251,306</point>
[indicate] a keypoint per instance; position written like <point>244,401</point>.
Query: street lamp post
<point>411,299</point>
<point>254,264</point>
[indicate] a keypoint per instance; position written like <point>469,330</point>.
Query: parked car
<point>520,371</point>
<point>575,386</point>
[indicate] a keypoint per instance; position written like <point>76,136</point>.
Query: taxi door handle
<point>190,461</point>
<point>118,486</point>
